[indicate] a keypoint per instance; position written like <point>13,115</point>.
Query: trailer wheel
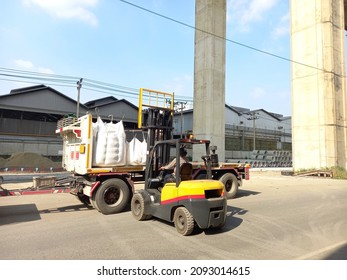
<point>201,176</point>
<point>84,199</point>
<point>138,207</point>
<point>184,221</point>
<point>93,203</point>
<point>112,196</point>
<point>230,183</point>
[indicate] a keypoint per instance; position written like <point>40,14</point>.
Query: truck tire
<point>184,221</point>
<point>112,196</point>
<point>231,184</point>
<point>201,177</point>
<point>93,203</point>
<point>138,207</point>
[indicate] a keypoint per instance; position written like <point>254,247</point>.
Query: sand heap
<point>28,160</point>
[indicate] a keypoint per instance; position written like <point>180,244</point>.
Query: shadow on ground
<point>70,208</point>
<point>11,214</point>
<point>244,193</point>
<point>339,254</point>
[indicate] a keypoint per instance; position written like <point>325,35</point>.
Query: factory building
<point>253,136</point>
<point>29,116</point>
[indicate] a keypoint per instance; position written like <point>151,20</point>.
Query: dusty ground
<point>273,217</point>
<point>256,173</point>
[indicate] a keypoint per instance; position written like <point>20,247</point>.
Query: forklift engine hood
<point>193,189</point>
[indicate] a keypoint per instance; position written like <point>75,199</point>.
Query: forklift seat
<point>186,171</point>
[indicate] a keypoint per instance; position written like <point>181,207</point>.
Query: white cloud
<point>28,65</point>
<point>68,9</point>
<point>181,86</point>
<point>245,12</point>
<point>258,93</point>
<point>24,64</point>
<point>45,70</point>
<point>283,27</point>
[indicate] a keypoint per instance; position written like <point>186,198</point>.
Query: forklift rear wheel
<point>112,196</point>
<point>184,221</point>
<point>138,207</point>
<point>230,183</point>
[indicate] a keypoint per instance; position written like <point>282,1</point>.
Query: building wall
<point>46,146</point>
<point>34,131</point>
<point>28,119</point>
<point>27,127</point>
<point>270,133</point>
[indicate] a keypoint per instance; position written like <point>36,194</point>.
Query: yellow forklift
<point>184,201</point>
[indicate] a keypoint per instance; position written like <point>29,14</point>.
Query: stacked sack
<point>111,147</point>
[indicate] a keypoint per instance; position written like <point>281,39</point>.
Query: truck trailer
<point>106,167</point>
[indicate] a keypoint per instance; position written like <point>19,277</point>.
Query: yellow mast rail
<point>153,106</point>
<point>151,99</point>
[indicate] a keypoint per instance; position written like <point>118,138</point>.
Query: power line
<point>11,70</point>
<point>9,74</point>
<point>30,82</point>
<point>37,78</point>
<point>229,40</point>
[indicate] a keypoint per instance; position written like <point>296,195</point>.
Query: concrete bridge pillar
<point>319,108</point>
<point>209,75</point>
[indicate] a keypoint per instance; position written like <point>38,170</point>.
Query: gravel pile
<point>28,160</point>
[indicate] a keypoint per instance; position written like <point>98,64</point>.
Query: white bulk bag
<point>134,152</point>
<point>115,144</point>
<point>100,141</point>
<point>144,151</point>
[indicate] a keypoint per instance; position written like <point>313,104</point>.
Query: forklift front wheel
<point>184,221</point>
<point>138,207</point>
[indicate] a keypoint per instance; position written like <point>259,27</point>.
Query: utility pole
<point>243,136</point>
<point>281,143</point>
<point>253,116</point>
<point>181,106</point>
<point>79,85</point>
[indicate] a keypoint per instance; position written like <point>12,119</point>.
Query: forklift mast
<point>155,116</point>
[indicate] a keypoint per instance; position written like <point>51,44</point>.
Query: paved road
<point>273,217</point>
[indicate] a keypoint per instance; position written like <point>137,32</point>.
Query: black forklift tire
<point>184,221</point>
<point>231,185</point>
<point>112,196</point>
<point>83,198</point>
<point>138,207</point>
<point>220,226</point>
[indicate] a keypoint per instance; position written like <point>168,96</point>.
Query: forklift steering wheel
<point>161,175</point>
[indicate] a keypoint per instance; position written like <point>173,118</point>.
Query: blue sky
<point>114,42</point>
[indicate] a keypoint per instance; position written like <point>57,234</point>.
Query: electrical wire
<point>9,74</point>
<point>35,83</point>
<point>229,40</point>
<point>64,80</point>
<point>11,70</point>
